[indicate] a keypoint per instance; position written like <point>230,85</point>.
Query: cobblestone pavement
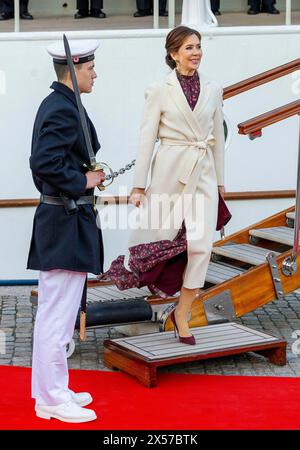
<point>279,318</point>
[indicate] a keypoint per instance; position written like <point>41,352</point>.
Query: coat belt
<point>193,158</point>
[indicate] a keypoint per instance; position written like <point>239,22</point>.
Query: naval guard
<point>66,241</point>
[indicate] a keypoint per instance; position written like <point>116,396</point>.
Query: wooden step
<point>140,356</point>
<point>283,235</point>
<point>243,252</point>
<point>217,273</point>
<point>107,293</point>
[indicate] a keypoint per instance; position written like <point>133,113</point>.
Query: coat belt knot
<point>196,150</point>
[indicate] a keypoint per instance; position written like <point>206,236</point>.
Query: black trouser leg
<point>8,6</point>
<point>143,6</point>
<point>83,6</point>
<point>215,5</point>
<point>146,6</point>
<point>267,5</point>
<point>162,5</point>
<point>254,4</point>
<point>24,6</point>
<point>97,4</point>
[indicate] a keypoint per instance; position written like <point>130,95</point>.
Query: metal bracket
<point>253,240</point>
<point>163,315</point>
<point>271,258</point>
<point>220,308</point>
<point>289,266</point>
<point>34,300</point>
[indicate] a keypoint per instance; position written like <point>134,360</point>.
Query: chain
<point>121,171</point>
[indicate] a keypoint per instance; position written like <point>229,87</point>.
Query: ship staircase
<point>249,268</point>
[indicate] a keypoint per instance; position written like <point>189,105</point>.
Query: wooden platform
<point>140,356</point>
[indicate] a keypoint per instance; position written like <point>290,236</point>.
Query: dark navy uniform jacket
<point>62,241</point>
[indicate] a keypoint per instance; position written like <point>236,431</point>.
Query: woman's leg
<point>187,296</point>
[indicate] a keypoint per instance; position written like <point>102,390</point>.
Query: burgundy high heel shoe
<point>184,340</point>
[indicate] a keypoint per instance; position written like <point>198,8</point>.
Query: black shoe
<point>217,13</point>
<point>163,13</point>
<point>271,11</point>
<point>6,16</point>
<point>81,14</point>
<point>26,16</point>
<point>252,11</point>
<point>98,14</point>
<point>142,13</point>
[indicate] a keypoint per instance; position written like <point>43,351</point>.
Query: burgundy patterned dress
<point>158,265</point>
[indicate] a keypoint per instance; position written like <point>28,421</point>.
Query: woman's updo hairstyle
<point>174,41</point>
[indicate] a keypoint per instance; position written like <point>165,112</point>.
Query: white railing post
<point>288,12</point>
<point>171,10</point>
<point>17,15</point>
<point>155,14</point>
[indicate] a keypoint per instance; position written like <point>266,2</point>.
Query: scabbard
<point>82,331</point>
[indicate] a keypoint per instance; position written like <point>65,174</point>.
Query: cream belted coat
<point>187,167</point>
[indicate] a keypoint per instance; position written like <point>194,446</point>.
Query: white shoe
<point>81,398</point>
<point>66,412</point>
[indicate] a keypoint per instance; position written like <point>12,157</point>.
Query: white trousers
<point>60,293</point>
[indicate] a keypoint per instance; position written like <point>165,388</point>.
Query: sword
<point>94,166</point>
<point>82,317</point>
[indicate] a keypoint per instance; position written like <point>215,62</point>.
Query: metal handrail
<point>155,14</point>
<point>171,10</point>
<point>17,15</point>
<point>289,265</point>
<point>288,12</point>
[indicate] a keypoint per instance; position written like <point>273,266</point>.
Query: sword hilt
<point>100,166</point>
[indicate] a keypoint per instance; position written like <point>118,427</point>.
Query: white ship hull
<point>126,63</point>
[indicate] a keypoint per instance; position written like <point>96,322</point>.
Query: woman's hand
<point>136,196</point>
<point>221,189</point>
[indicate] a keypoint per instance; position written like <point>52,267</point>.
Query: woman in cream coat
<point>189,161</point>
<point>186,171</point>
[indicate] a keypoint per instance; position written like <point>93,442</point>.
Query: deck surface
<point>123,22</point>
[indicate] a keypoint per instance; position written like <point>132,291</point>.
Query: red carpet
<point>190,402</point>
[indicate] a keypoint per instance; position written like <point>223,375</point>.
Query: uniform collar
<point>65,90</point>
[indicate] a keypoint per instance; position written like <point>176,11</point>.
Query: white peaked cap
<point>81,50</point>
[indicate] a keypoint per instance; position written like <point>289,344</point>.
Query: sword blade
<point>82,115</point>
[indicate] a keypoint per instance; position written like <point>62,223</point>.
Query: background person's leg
<point>6,9</point>
<point>97,4</point>
<point>162,7</point>
<point>268,7</point>
<point>215,5</point>
<point>96,9</point>
<point>23,6</point>
<point>82,9</point>
<point>254,6</point>
<point>143,8</point>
